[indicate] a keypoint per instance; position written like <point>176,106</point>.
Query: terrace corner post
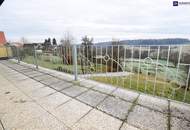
<point>7,52</point>
<point>75,62</point>
<point>35,57</point>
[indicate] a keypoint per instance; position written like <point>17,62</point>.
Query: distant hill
<point>174,41</point>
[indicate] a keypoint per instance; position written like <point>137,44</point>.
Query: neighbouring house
<point>2,38</point>
<point>39,46</point>
<point>17,44</point>
<point>28,46</point>
<point>5,52</point>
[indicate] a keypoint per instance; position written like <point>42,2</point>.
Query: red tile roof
<point>2,38</point>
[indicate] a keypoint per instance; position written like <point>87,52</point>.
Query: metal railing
<point>158,70</point>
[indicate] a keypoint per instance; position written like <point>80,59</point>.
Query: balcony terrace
<point>46,99</point>
<point>96,87</point>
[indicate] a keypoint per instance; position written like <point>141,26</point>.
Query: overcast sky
<point>101,19</point>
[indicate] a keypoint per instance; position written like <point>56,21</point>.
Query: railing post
<point>75,62</point>
<point>18,54</point>
<point>35,57</point>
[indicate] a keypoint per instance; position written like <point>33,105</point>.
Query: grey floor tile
<point>52,101</point>
<point>18,77</point>
<point>50,81</point>
<point>26,70</point>
<point>88,84</point>
<point>92,98</point>
<point>126,126</point>
<point>61,85</point>
<point>1,127</point>
<point>41,92</point>
<point>74,91</point>
<point>42,77</point>
<point>104,88</point>
<point>19,68</point>
<point>70,112</point>
<point>116,107</point>
<point>179,124</point>
<point>21,114</point>
<point>33,74</point>
<point>125,94</point>
<point>180,110</point>
<point>44,122</point>
<point>153,103</point>
<point>96,120</point>
<point>144,118</point>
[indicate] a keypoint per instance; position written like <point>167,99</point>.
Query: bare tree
<point>87,42</point>
<point>66,43</point>
<point>23,51</point>
<point>67,39</point>
<point>23,40</point>
<point>114,66</point>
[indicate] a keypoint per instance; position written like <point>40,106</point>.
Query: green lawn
<point>172,74</point>
<point>55,62</point>
<point>146,85</point>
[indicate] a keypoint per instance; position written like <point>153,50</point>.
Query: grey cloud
<point>102,19</point>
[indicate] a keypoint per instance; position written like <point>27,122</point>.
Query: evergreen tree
<point>49,41</point>
<point>54,42</point>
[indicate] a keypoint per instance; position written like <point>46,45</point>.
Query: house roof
<point>2,38</point>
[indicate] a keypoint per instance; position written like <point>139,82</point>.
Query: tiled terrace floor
<point>49,100</point>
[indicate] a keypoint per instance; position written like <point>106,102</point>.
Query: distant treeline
<point>174,41</point>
